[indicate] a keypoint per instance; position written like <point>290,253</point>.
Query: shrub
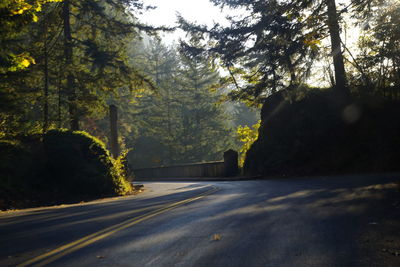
<point>121,174</point>
<point>79,164</point>
<point>247,136</point>
<point>20,162</point>
<point>60,166</point>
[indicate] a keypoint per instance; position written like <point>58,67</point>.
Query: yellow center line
<point>66,249</point>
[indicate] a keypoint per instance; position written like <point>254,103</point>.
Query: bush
<point>60,166</point>
<point>247,136</point>
<point>121,174</point>
<point>21,162</point>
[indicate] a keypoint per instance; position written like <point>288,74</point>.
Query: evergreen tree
<point>181,121</point>
<point>86,40</point>
<point>378,62</point>
<point>336,47</point>
<point>77,67</point>
<point>273,46</point>
<point>15,16</point>
<point>16,58</point>
<point>158,108</point>
<point>204,134</point>
<point>266,51</point>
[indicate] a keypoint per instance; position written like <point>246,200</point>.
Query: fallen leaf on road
<point>216,237</point>
<point>100,257</point>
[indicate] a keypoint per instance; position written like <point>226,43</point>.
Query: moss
<point>82,165</point>
<point>60,166</point>
<point>121,174</point>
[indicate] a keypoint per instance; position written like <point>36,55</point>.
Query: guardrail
<point>228,167</point>
<point>206,169</point>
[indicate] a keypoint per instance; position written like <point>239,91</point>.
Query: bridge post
<point>231,163</point>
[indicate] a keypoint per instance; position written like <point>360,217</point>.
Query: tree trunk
<point>59,85</point>
<point>114,146</point>
<point>293,78</point>
<point>73,111</point>
<point>46,82</point>
<point>333,25</point>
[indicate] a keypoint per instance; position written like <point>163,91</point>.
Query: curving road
<point>336,221</point>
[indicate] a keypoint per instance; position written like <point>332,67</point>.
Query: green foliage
<point>76,160</point>
<point>82,165</point>
<point>60,166</point>
<point>241,114</point>
<point>121,174</point>
<point>170,100</point>
<point>18,166</point>
<point>48,91</point>
<point>268,49</point>
<point>183,121</point>
<point>378,61</point>
<point>247,136</point>
<point>15,15</point>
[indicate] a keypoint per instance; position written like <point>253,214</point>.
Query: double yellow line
<point>66,249</point>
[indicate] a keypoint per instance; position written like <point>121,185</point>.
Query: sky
<point>204,12</point>
<point>200,11</point>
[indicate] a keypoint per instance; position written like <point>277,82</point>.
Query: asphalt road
<point>342,221</point>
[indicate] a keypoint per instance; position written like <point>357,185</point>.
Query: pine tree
<point>76,66</point>
<point>337,54</point>
<point>273,46</point>
<point>154,113</point>
<point>181,121</point>
<point>96,23</point>
<point>204,134</point>
<point>378,62</point>
<point>15,16</point>
<point>15,59</point>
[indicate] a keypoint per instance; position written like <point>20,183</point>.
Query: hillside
<point>316,134</point>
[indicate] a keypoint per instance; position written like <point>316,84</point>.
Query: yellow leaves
<point>25,63</point>
<point>138,93</point>
<point>311,41</point>
<point>120,175</point>
<point>19,13</point>
<point>216,237</point>
<point>21,61</point>
<point>247,136</point>
<point>244,133</point>
<point>19,7</point>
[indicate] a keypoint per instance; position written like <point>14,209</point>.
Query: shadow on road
<point>286,222</point>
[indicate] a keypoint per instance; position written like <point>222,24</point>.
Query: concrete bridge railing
<point>228,167</point>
